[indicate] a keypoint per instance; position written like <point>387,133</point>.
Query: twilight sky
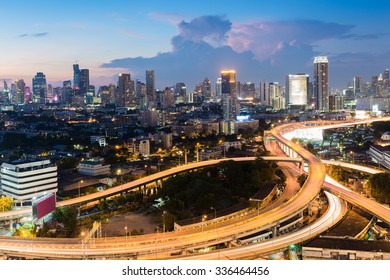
<point>185,41</point>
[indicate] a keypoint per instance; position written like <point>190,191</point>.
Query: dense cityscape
<point>227,168</point>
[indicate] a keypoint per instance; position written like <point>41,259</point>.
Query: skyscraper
<point>124,90</point>
<point>264,93</point>
<point>84,81</point>
<point>357,85</point>
<point>228,82</point>
<point>20,91</point>
<point>296,88</point>
<point>76,75</point>
<point>181,90</point>
<point>150,85</point>
<point>39,88</point>
<point>321,84</point>
<point>218,88</point>
<point>206,89</point>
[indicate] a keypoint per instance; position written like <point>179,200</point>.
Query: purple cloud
<point>267,38</point>
<point>264,50</point>
<point>209,29</point>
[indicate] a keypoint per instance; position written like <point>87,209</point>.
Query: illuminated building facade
<point>321,83</point>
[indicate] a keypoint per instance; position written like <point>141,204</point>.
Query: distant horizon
<point>186,42</point>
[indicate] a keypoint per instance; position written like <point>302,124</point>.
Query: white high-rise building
<point>296,88</point>
<point>321,83</point>
<point>27,180</point>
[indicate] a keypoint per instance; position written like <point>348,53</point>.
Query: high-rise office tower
<point>228,82</point>
<point>76,75</point>
<point>321,83</point>
<point>27,95</point>
<point>150,85</point>
<point>248,90</point>
<point>218,88</point>
<point>19,91</point>
<point>181,90</point>
<point>39,88</point>
<point>206,89</point>
<point>386,82</point>
<point>296,89</point>
<point>357,85</point>
<point>264,94</point>
<point>84,81</point>
<point>67,92</point>
<point>277,100</point>
<point>124,90</point>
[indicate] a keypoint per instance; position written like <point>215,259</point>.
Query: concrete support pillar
<point>11,225</point>
<point>145,189</point>
<point>275,231</point>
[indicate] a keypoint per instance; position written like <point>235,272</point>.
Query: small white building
<point>93,168</point>
<point>100,139</point>
<point>386,136</point>
<point>235,144</point>
<point>27,180</point>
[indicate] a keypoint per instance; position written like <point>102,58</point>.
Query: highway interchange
<point>180,243</point>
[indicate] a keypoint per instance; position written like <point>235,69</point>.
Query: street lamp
<point>163,216</point>
<point>204,217</point>
<point>197,151</point>
<point>126,234</point>
<point>118,173</point>
<point>80,182</point>
<point>220,142</point>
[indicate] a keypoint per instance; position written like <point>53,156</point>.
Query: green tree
<point>337,173</point>
<point>379,186</point>
<point>67,217</point>
<point>68,163</point>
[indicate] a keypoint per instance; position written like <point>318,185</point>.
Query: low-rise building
<point>380,155</point>
<point>93,168</point>
<point>101,140</point>
<point>27,180</point>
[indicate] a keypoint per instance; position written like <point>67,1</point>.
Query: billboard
<point>43,206</point>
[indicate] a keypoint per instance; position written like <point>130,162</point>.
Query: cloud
<point>372,36</point>
<point>262,50</point>
<point>42,34</point>
<point>209,29</point>
<point>266,38</point>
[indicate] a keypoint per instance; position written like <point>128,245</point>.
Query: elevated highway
<point>161,244</point>
<point>137,184</point>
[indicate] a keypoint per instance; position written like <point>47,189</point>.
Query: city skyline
<point>187,42</point>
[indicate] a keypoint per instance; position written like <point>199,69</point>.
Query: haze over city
<point>186,42</point>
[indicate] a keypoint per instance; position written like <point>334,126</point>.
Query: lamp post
<point>80,182</point>
<point>197,151</point>
<point>204,217</point>
<point>126,234</point>
<point>118,173</point>
<point>163,216</point>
